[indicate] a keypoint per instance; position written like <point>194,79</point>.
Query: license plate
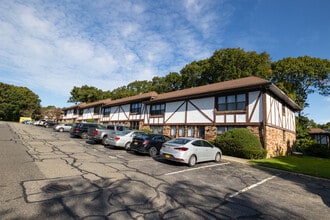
<point>167,156</point>
<point>135,143</point>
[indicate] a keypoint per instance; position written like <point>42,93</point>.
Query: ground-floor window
<point>156,129</point>
<point>223,129</point>
<point>173,131</point>
<point>191,131</point>
<point>134,125</point>
<point>181,131</point>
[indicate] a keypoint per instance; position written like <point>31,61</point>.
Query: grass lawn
<point>313,166</point>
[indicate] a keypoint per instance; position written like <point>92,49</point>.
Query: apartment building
<point>204,111</point>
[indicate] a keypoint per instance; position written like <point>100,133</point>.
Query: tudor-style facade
<point>206,111</point>
<point>85,112</point>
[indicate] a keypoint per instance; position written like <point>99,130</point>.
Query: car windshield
<point>181,141</point>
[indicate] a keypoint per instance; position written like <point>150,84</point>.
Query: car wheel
<point>61,130</point>
<point>153,151</point>
<point>104,139</point>
<point>192,161</point>
<point>128,146</point>
<point>217,157</point>
<point>84,135</point>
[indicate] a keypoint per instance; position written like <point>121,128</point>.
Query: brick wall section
<point>279,142</point>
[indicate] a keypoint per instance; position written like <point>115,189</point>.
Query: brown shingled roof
<point>213,88</point>
<point>226,86</point>
<point>141,97</point>
<point>91,104</point>
<point>317,131</point>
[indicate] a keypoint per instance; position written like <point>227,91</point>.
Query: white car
<point>122,139</point>
<point>190,151</point>
<point>62,127</point>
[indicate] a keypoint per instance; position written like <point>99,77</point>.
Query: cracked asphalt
<point>48,175</point>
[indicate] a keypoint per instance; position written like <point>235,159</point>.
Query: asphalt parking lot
<point>82,180</point>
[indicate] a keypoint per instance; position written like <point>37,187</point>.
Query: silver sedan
<point>190,151</point>
<point>122,139</point>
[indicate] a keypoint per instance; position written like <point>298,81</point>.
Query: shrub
<point>310,147</point>
<point>240,142</point>
<point>317,150</point>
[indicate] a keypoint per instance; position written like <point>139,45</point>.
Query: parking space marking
<point>197,168</point>
<point>251,187</point>
<point>138,160</point>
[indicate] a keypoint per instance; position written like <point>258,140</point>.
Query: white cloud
<point>54,46</point>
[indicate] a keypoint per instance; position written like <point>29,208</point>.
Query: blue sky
<point>52,46</point>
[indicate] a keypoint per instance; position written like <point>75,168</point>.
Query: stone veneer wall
<point>279,142</point>
<point>211,132</point>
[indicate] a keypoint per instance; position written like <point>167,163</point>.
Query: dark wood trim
<point>210,119</point>
<point>175,111</point>
<point>264,121</point>
<point>255,106</point>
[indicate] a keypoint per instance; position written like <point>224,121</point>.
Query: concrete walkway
<point>235,159</point>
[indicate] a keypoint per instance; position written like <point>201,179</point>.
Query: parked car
<point>48,124</point>
<point>80,129</point>
<point>122,139</point>
<point>40,122</point>
<point>101,133</point>
<point>148,143</point>
<point>190,151</point>
<point>62,127</point>
<point>27,122</point>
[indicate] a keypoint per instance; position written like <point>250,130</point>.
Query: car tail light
<point>145,142</point>
<point>76,129</point>
<point>117,138</point>
<point>181,148</point>
<point>95,132</point>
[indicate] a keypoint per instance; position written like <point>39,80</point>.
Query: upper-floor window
<point>232,102</point>
<point>96,109</point>
<point>157,109</point>
<point>136,107</point>
<point>107,111</point>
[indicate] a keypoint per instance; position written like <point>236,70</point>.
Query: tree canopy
<point>16,102</point>
<point>86,94</point>
<point>301,76</point>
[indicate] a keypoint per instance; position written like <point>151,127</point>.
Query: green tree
<point>86,94</point>
<point>168,83</point>
<point>194,74</point>
<point>121,92</point>
<point>234,63</point>
<point>138,87</point>
<point>16,102</point>
<point>301,76</point>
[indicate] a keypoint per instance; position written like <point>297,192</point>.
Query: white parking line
<point>197,168</point>
<point>252,186</point>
